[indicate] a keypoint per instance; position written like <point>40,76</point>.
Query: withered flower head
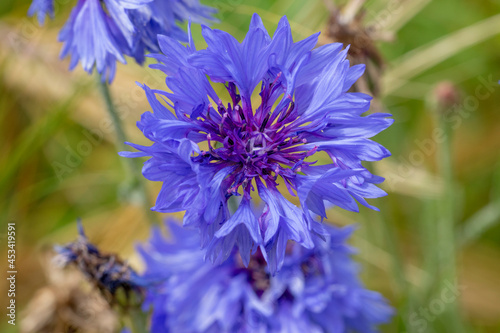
<point>346,25</point>
<point>118,283</point>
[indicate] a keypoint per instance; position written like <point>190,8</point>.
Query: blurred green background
<point>58,160</point>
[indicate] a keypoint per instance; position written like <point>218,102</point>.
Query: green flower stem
<point>390,240</point>
<point>446,220</point>
<point>429,242</point>
<point>446,213</point>
<point>132,166</point>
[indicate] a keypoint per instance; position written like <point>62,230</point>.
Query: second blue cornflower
<point>99,33</point>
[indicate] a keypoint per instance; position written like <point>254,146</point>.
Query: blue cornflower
<point>101,32</point>
<point>316,291</point>
<point>106,271</point>
<point>212,155</point>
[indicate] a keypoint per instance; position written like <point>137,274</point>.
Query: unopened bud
<point>445,96</point>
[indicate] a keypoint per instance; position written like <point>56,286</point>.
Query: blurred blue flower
<point>159,17</point>
<point>316,291</point>
<point>101,32</point>
<point>211,156</point>
<point>106,271</point>
<point>41,8</point>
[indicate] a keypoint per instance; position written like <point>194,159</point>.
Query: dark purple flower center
<point>258,144</point>
<point>257,274</point>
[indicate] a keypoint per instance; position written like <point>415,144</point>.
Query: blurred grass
<point>45,112</point>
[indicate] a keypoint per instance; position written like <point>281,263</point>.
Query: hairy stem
<point>132,165</point>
